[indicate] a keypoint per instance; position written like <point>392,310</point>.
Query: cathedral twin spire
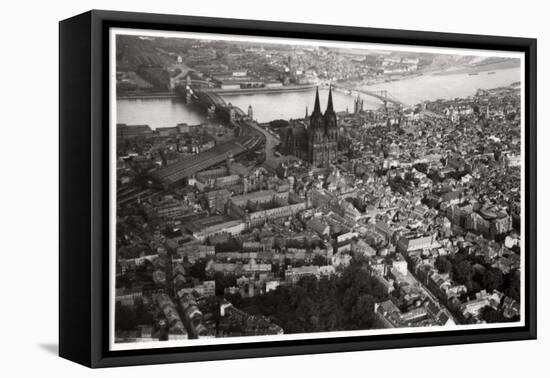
<point>330,108</point>
<point>317,106</point>
<point>317,118</point>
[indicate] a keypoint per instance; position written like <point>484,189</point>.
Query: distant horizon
<point>337,45</point>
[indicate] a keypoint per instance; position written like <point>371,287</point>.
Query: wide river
<point>267,107</point>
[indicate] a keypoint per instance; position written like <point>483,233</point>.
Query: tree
<point>492,279</point>
<point>443,265</point>
<point>223,281</point>
<point>278,124</point>
<point>197,270</point>
<point>313,305</point>
<point>230,245</point>
<point>463,272</point>
<point>421,167</point>
<point>235,299</point>
<point>490,315</point>
<point>125,318</point>
<point>512,285</point>
<point>310,284</point>
<point>362,313</point>
<point>319,260</point>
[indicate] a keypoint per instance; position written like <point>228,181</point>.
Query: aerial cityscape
<point>269,188</point>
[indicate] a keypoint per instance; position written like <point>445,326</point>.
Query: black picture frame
<point>84,194</point>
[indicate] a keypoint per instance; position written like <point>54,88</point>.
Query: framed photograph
<point>235,188</point>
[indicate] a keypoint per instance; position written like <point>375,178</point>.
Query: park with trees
<point>335,303</point>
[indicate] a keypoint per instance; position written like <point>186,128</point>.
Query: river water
<point>448,86</point>
<point>267,107</point>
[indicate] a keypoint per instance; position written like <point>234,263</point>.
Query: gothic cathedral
<point>316,142</point>
<point>322,133</point>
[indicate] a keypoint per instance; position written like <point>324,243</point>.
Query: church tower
<point>316,133</point>
<point>330,115</point>
<point>316,117</point>
<point>331,130</point>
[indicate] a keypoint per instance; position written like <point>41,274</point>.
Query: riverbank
<point>385,80</point>
<point>490,67</point>
<point>151,96</point>
<point>220,91</point>
<point>248,91</point>
<point>430,87</point>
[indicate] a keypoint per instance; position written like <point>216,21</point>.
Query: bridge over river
<point>383,95</point>
<point>250,136</point>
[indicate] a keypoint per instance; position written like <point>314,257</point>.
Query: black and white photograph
<point>275,189</point>
<point>267,189</point>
